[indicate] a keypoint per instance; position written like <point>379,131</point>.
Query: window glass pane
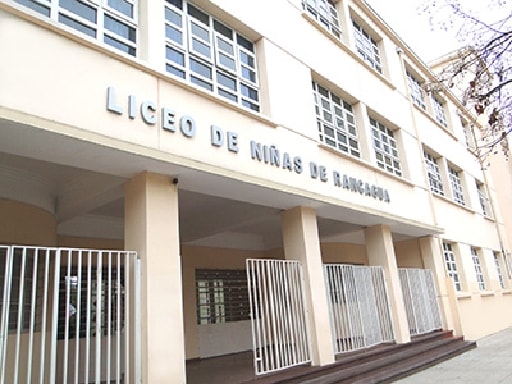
<point>176,3</point>
<point>200,68</point>
<point>119,45</point>
<point>173,34</point>
<point>248,74</point>
<point>35,7</point>
<point>201,83</point>
<point>200,47</point>
<point>173,17</point>
<point>200,32</point>
<point>175,56</point>
<point>76,25</point>
<point>228,95</point>
<point>175,71</point>
<point>199,15</point>
<point>249,92</point>
<point>227,61</point>
<point>243,42</point>
<point>122,6</point>
<point>222,29</point>
<point>120,28</point>
<point>246,59</point>
<point>80,9</point>
<point>225,46</point>
<point>250,105</point>
<point>226,81</point>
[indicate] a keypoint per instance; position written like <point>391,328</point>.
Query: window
<point>417,95</point>
<point>439,111</point>
<point>367,47</point>
<point>458,196</point>
<point>385,147</point>
<point>113,22</point>
<point>335,121</point>
<point>325,12</point>
<point>478,269</point>
<point>498,269</point>
<point>210,54</point>
<point>222,296</point>
<point>482,197</point>
<point>434,176</point>
<point>451,265</point>
<point>77,288</point>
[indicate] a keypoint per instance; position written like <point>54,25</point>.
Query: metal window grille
<point>210,54</point>
<point>478,269</point>
<point>458,195</point>
<point>279,322</point>
<point>222,296</point>
<point>358,306</point>
<point>420,299</point>
<point>439,114</point>
<point>325,12</point>
<point>498,269</point>
<point>335,121</point>
<point>71,309</point>
<point>451,265</point>
<point>385,147</point>
<point>434,176</point>
<point>417,94</point>
<point>112,22</point>
<point>367,47</point>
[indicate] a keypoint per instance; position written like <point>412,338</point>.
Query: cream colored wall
<point>207,340</point>
<point>344,253</point>
<point>408,254</point>
<point>85,242</point>
<point>482,315</point>
<point>25,224</point>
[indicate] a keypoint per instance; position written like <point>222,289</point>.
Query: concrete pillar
<point>151,229</point>
<point>301,242</point>
<point>380,251</point>
<point>433,259</point>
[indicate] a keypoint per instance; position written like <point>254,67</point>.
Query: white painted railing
<point>359,306</point>
<point>278,312</point>
<point>65,316</point>
<point>420,299</point>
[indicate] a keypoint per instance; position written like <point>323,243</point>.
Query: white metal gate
<point>278,312</point>
<point>420,298</point>
<point>65,315</point>
<point>358,306</point>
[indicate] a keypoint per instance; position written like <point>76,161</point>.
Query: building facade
<point>247,171</point>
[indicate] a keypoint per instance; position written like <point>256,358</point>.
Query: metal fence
<point>65,315</point>
<point>358,305</point>
<point>278,313</point>
<point>420,299</point>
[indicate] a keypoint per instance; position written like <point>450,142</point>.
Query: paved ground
<point>489,363</point>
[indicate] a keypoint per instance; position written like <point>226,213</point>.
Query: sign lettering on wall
<point>269,155</point>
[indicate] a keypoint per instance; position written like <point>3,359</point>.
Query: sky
<point>414,28</point>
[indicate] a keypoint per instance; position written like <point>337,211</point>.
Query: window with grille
<point>438,108</point>
<point>482,197</point>
<point>417,94</point>
<point>222,296</point>
<point>325,12</point>
<point>454,177</point>
<point>210,54</point>
<point>498,269</point>
<point>478,269</point>
<point>335,121</point>
<point>95,296</point>
<point>451,265</point>
<point>367,47</point>
<point>385,147</point>
<point>434,176</point>
<point>112,22</point>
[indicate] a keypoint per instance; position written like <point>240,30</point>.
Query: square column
<point>433,259</point>
<point>380,251</point>
<point>301,243</point>
<point>151,229</point>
